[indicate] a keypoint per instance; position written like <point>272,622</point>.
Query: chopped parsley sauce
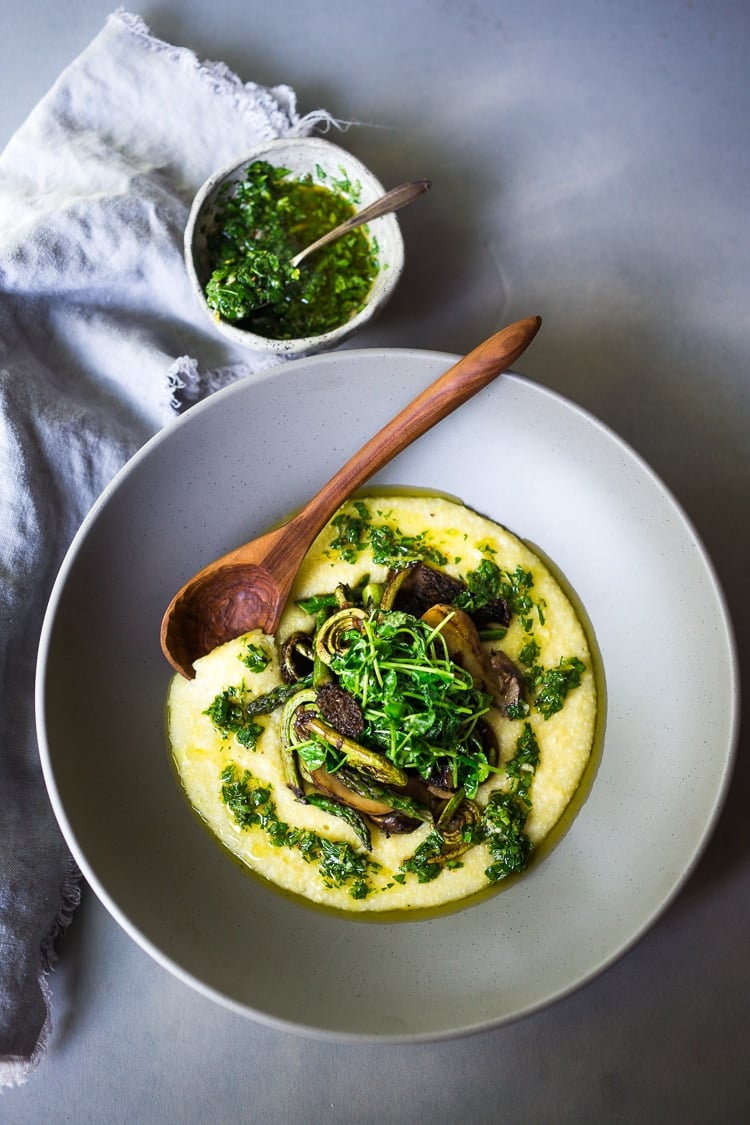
<point>228,712</point>
<point>261,222</point>
<point>251,804</point>
<point>501,827</point>
<point>356,532</point>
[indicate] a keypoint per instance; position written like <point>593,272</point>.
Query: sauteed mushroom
<point>510,678</point>
<point>396,822</point>
<point>497,613</point>
<point>416,587</point>
<point>340,709</point>
<point>380,805</point>
<point>464,646</point>
<point>335,786</point>
<point>413,807</point>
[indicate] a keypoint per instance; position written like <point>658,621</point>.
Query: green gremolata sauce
<point>260,224</point>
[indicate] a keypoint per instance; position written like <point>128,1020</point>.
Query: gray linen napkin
<point>101,342</point>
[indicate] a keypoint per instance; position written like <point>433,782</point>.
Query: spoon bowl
<point>248,587</point>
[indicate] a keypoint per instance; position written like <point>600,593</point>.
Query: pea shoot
<point>420,709</point>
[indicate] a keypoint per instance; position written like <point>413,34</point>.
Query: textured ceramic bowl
<point>326,163</point>
<point>230,468</point>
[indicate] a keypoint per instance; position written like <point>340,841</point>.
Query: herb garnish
<point>504,820</point>
<point>228,713</point>
<point>507,811</point>
<point>356,531</point>
<point>551,685</point>
<point>427,861</point>
<point>232,710</point>
<point>501,827</point>
<point>420,709</point>
<point>318,602</point>
<point>261,222</point>
<point>255,657</point>
<point>489,583</point>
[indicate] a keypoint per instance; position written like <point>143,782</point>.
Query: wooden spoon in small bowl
<point>247,588</point>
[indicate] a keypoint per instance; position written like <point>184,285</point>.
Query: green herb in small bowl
<point>250,219</point>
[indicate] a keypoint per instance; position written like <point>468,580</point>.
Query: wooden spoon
<point>249,587</point>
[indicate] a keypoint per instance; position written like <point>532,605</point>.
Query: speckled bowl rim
<point>386,228</point>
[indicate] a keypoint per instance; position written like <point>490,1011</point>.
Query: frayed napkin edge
<point>15,1069</point>
<point>283,116</point>
<point>187,385</point>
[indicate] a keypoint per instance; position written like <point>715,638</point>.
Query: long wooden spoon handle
<point>469,375</point>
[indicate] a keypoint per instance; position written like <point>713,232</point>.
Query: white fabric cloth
<point>101,342</point>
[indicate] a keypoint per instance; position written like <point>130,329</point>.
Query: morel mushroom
<point>496,613</point>
<point>416,587</point>
<point>341,710</point>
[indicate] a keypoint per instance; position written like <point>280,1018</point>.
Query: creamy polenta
<point>416,728</point>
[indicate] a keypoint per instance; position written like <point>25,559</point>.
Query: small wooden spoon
<point>248,587</point>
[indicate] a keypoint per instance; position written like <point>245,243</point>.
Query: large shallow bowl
<point>225,471</point>
<point>327,165</point>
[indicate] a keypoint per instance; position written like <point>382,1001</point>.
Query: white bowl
<point>326,162</point>
<point>230,468</point>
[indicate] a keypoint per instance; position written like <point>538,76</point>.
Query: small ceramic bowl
<point>326,163</point>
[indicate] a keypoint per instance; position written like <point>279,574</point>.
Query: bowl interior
<point>223,473</point>
<point>330,166</point>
